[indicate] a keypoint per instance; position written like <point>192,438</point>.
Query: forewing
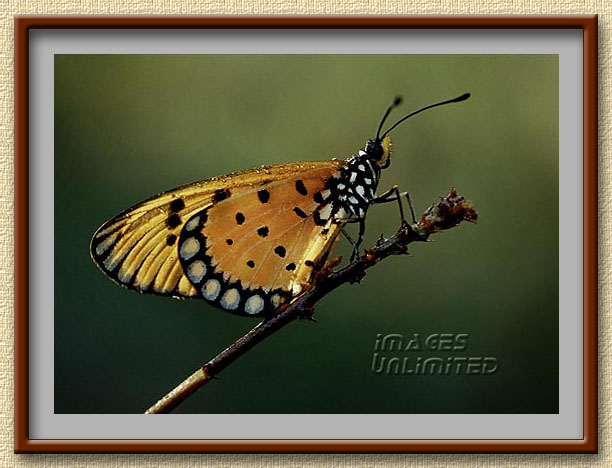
<point>139,248</point>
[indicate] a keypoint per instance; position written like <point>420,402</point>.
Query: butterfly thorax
<point>350,193</point>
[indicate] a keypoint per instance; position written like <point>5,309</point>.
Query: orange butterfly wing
<point>177,242</point>
<point>257,249</point>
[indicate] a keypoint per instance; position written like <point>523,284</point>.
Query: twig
<point>447,213</point>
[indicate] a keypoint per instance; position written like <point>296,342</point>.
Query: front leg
<point>394,194</point>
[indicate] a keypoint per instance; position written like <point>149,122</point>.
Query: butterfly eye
<point>374,149</point>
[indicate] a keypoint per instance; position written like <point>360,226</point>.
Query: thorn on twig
<point>370,256</point>
<point>329,266</point>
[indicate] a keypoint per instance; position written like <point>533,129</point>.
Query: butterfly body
<point>246,242</point>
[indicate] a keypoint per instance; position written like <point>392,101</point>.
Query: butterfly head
<point>379,151</point>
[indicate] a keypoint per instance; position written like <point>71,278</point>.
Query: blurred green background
<point>127,127</point>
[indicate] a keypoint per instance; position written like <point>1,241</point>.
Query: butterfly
<point>250,241</point>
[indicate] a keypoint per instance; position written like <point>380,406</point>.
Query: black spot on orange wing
<point>177,205</point>
<point>309,263</point>
<point>318,197</point>
<point>280,251</point>
<point>173,221</point>
<point>171,239</point>
<point>221,194</point>
<point>229,241</point>
<point>251,264</point>
<point>300,187</point>
<point>300,213</point>
<point>263,231</point>
<point>317,219</point>
<point>264,196</point>
<point>239,218</point>
<point>290,267</point>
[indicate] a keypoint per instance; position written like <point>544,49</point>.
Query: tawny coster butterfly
<point>251,241</point>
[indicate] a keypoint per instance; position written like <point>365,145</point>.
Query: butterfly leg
<point>346,234</point>
<point>355,253</point>
<point>356,243</point>
<point>393,194</point>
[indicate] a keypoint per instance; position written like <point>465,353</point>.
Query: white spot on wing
<point>340,186</point>
<point>254,305</point>
<point>368,181</point>
<point>362,153</point>
<point>211,289</point>
<point>353,177</point>
<point>353,200</point>
<point>230,299</point>
<point>196,271</point>
<point>296,289</point>
<point>360,190</point>
<point>361,167</point>
<point>326,211</point>
<point>277,300</point>
<point>189,248</point>
<point>192,224</point>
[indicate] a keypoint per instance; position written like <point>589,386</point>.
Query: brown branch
<point>447,213</point>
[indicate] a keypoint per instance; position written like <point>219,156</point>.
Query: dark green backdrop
<point>127,127</point>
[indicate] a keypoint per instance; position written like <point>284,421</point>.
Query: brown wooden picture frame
<point>25,24</point>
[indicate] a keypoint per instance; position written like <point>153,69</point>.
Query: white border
<point>46,425</point>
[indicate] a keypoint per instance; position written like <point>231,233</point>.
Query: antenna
<point>396,102</point>
<point>463,97</point>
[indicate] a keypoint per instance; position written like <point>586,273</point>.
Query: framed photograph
<point>211,223</point>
